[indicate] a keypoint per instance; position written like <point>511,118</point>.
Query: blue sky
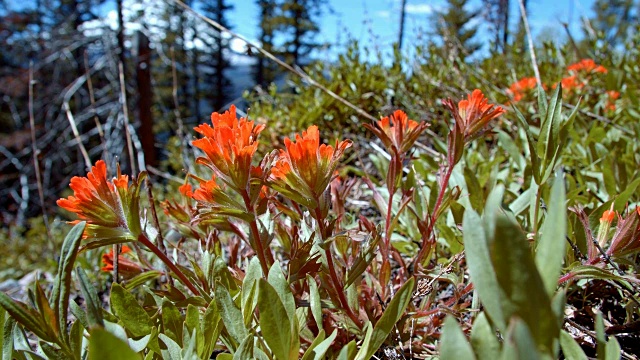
<point>377,21</point>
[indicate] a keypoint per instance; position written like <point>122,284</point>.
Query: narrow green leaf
<point>519,343</point>
<point>141,279</point>
<point>481,269</point>
<point>52,352</point>
<point>348,352</point>
<point>570,347</point>
<point>75,338</point>
<point>550,251</point>
<point>601,340</point>
<point>542,103</point>
<point>314,301</point>
<point>245,350</point>
<point>211,328</point>
<point>389,318</point>
<point>454,344</point>
<point>94,307</point>
<point>173,351</point>
<point>319,351</point>
<point>275,324</point>
<point>27,317</point>
<point>483,339</point>
<point>105,346</point>
<point>46,312</point>
<point>250,289</point>
<point>309,353</point>
<point>7,338</point>
<point>231,315</point>
<point>126,307</point>
<point>533,153</point>
<point>62,283</point>
<point>3,314</point>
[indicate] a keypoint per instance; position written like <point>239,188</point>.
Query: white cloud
<point>418,9</point>
<point>383,14</point>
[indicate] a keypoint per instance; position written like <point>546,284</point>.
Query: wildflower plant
<point>267,258</point>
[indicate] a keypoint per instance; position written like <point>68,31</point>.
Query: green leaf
<point>126,307</point>
<point>27,317</point>
<point>46,312</point>
<point>612,349</point>
<point>231,315</point>
<point>550,251</point>
<point>454,344</point>
<point>481,269</point>
<point>483,339</point>
<point>348,352</point>
<point>173,351</point>
<point>245,350</point>
<point>172,321</point>
<point>62,283</point>
<point>600,337</point>
<point>105,346</point>
<point>94,307</point>
<point>52,352</point>
<point>521,284</point>
<point>211,328</point>
<point>7,338</point>
<point>275,323</point>
<point>141,279</point>
<point>250,289</point>
<point>3,314</point>
<point>317,350</point>
<point>519,343</point>
<point>314,301</point>
<point>281,286</point>
<point>533,153</point>
<point>75,338</point>
<point>570,347</point>
<point>388,320</point>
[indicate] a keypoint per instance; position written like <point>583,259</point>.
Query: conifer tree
<point>264,71</point>
<point>216,55</point>
<point>454,28</point>
<point>297,23</point>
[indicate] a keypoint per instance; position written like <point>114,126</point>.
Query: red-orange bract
<point>126,267</point>
<point>519,88</point>
<point>303,171</point>
<point>586,65</point>
<point>473,114</point>
<point>397,132</point>
<point>110,208</point>
<point>229,146</point>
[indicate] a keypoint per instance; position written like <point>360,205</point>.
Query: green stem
<point>183,278</point>
<point>537,210</point>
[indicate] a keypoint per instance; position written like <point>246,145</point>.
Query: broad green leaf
<point>550,251</point>
<point>570,347</point>
<point>192,322</point>
<point>245,350</point>
<point>126,307</point>
<point>612,349</point>
<point>173,351</point>
<point>521,284</point>
<point>27,317</point>
<point>483,339</point>
<point>231,315</point>
<point>250,289</point>
<point>519,343</point>
<point>172,321</point>
<point>105,346</point>
<point>211,328</point>
<point>93,304</point>
<point>481,269</point>
<point>388,320</point>
<point>314,301</point>
<point>348,352</point>
<point>281,286</point>
<point>141,279</point>
<point>275,323</point>
<point>62,283</point>
<point>454,344</point>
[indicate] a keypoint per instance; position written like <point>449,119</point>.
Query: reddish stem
<point>332,272</point>
<point>255,234</point>
<point>183,278</point>
<point>436,208</point>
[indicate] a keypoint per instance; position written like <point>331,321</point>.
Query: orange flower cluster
<point>473,114</point>
<point>521,87</point>
<point>229,146</point>
<point>303,171</point>
<point>587,66</point>
<point>397,132</point>
<point>612,97</point>
<point>110,208</point>
<point>126,267</point>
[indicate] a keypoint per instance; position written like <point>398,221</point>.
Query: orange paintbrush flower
<point>519,88</point>
<point>126,267</point>
<point>303,171</point>
<point>397,132</point>
<point>473,114</point>
<point>110,208</point>
<point>586,65</point>
<point>229,146</point>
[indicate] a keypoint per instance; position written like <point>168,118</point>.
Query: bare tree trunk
<point>145,99</point>
<point>402,15</point>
